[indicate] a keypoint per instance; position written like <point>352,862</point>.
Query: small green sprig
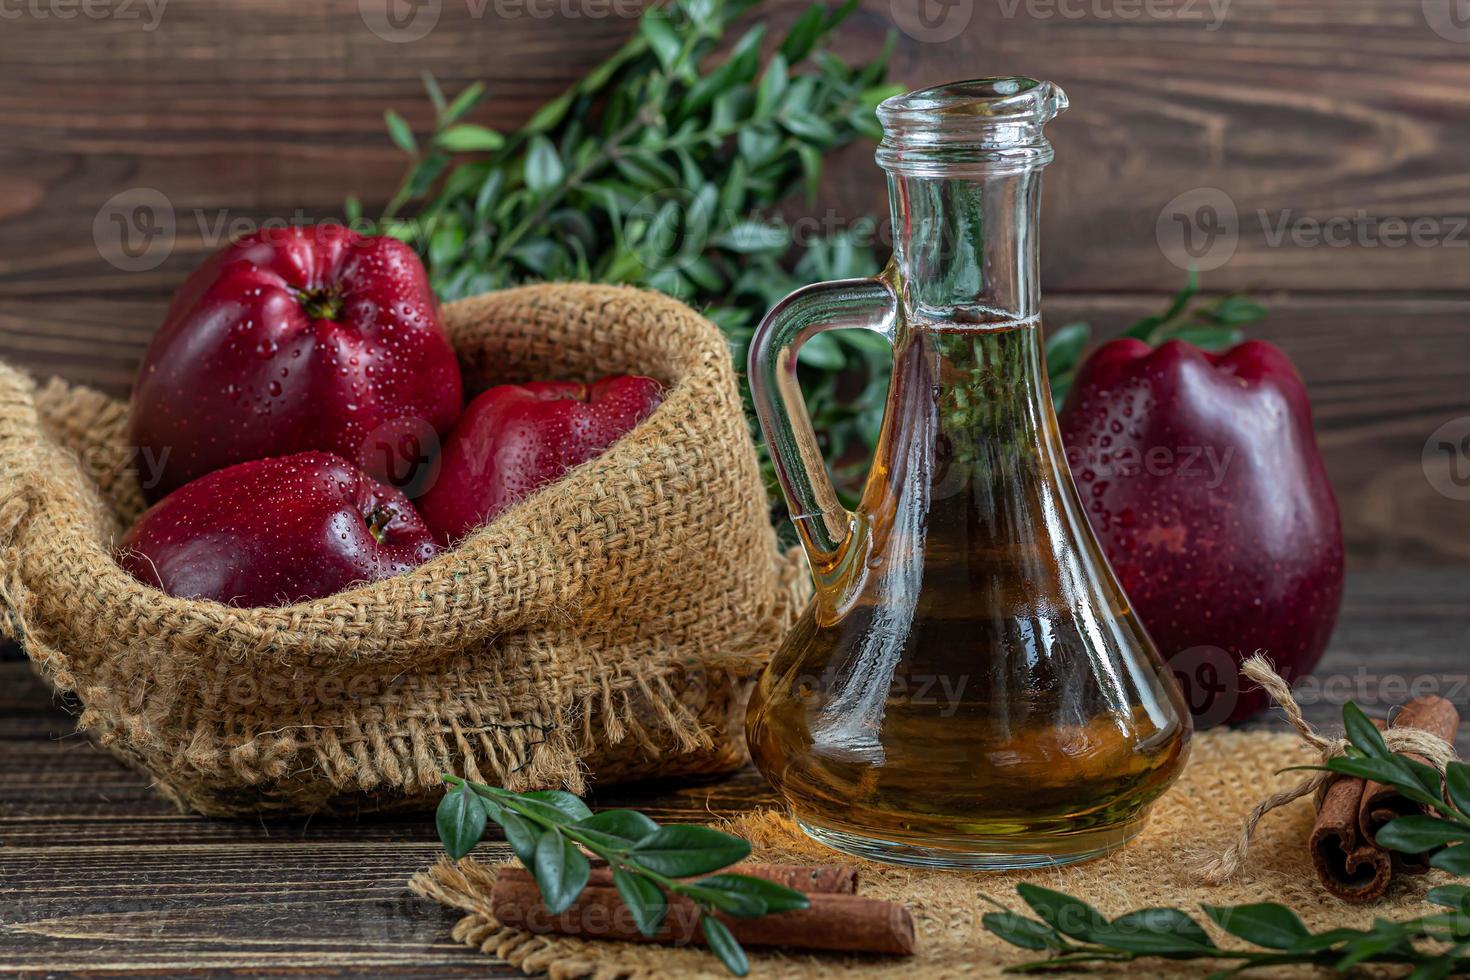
<point>1074,935</point>
<point>1213,325</point>
<point>549,830</point>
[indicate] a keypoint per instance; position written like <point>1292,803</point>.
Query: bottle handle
<point>863,304</point>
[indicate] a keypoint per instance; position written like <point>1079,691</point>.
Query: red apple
<point>514,439</point>
<point>297,339</point>
<point>1202,479</point>
<point>276,531</point>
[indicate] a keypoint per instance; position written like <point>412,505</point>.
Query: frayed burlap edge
<point>1224,778</point>
<point>607,626</point>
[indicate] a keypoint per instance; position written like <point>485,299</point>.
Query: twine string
<point>1439,753</point>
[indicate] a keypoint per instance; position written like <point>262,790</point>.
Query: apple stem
<point>378,522</point>
<point>324,303</point>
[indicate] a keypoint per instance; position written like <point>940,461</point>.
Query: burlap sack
<point>607,625</point>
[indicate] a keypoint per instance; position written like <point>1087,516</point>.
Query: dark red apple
<point>297,339</point>
<point>515,439</point>
<point>1202,479</point>
<point>275,532</point>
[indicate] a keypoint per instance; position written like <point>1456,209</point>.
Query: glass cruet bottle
<point>969,687</point>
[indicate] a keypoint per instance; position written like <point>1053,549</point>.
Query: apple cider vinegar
<point>969,688</point>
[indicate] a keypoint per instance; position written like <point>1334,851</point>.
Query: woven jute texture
<point>605,626</point>
<point>1227,774</point>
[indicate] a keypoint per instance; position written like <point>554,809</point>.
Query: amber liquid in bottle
<point>969,688</point>
<point>970,680</point>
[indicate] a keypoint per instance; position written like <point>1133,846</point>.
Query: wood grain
<point>101,878</point>
<point>271,109</point>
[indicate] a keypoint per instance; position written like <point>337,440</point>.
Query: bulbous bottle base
<point>1011,853</point>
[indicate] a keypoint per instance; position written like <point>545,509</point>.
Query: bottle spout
<point>988,125</point>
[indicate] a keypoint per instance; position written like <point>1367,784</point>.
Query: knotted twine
<point>1435,750</point>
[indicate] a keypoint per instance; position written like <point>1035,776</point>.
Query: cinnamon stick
<point>1382,804</point>
<point>1348,867</point>
<point>835,922</point>
<point>1349,862</point>
<point>825,880</point>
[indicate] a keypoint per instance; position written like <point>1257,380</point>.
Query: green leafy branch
<point>1212,325</point>
<point>667,167</point>
<point>549,830</point>
<point>1073,934</point>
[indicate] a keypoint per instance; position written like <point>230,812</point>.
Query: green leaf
<point>1436,969</point>
<point>488,194</point>
<point>445,245</point>
<point>808,126</point>
<point>681,851</point>
<point>1237,311</point>
<point>1266,924</point>
<point>1158,930</point>
<point>1205,338</point>
<point>772,86</point>
<point>464,102</point>
<point>822,351</point>
<point>758,144</point>
<point>1070,916</point>
<point>522,835</point>
<point>1455,860</point>
<point>746,237</point>
<point>1419,834</point>
<point>644,900</point>
<point>648,171</point>
<point>400,132</point>
<point>425,174</point>
<point>805,34</point>
<point>630,825</point>
<point>1381,770</point>
<point>723,945</point>
<point>1367,949</point>
<point>469,138</point>
<point>561,803</point>
<point>1364,735</point>
<point>436,94</point>
<point>1457,786</point>
<point>561,871</point>
<point>1065,344</point>
<point>550,114</point>
<point>662,38</point>
<point>544,170</point>
<point>1451,897</point>
<point>1023,932</point>
<point>769,896</point>
<point>461,821</point>
<point>811,171</point>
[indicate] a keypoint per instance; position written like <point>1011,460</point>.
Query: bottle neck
<point>966,249</point>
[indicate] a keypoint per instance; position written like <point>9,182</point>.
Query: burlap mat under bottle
<point>1228,773</point>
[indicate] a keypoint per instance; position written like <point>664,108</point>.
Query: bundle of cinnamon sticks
<point>1352,811</point>
<point>838,920</point>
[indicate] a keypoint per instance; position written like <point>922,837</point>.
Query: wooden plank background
<point>1354,110</point>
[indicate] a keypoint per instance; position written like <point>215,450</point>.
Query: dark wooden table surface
<point>99,877</point>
